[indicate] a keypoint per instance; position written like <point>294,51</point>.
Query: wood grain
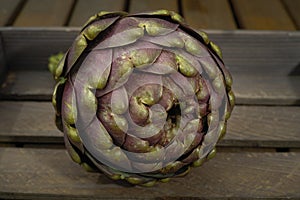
<point>36,173</point>
<point>208,14</point>
<point>265,89</point>
<point>136,6</point>
<point>263,126</point>
<point>249,126</point>
<point>262,15</point>
<point>248,52</point>
<point>249,89</point>
<point>44,13</point>
<point>293,7</point>
<point>7,10</point>
<point>86,8</point>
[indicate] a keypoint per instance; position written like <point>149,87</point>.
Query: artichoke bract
<point>141,97</point>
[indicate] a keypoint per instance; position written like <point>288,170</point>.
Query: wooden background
<point>204,14</point>
<point>258,158</point>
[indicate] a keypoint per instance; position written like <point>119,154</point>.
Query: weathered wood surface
<point>50,174</point>
<point>86,8</point>
<point>262,15</point>
<point>151,5</point>
<point>208,14</point>
<point>8,10</point>
<point>293,7</point>
<point>212,14</point>
<point>44,13</point>
<point>249,126</point>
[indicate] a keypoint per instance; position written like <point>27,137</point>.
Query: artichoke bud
<point>216,49</point>
<point>231,98</point>
<point>193,47</point>
<point>73,154</point>
<point>198,162</point>
<point>141,97</point>
<point>184,173</point>
<point>164,180</point>
<point>176,17</point>
<point>134,180</point>
<point>80,44</point>
<point>223,130</point>
<point>212,153</point>
<point>72,134</point>
<point>152,28</point>
<point>88,168</point>
<point>185,67</point>
<point>59,84</point>
<point>55,65</point>
<point>204,37</point>
<point>160,12</point>
<point>149,184</point>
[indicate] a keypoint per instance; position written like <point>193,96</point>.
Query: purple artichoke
<point>141,97</point>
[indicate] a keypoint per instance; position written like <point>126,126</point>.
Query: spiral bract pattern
<point>142,97</point>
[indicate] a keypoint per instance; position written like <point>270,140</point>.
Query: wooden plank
<point>7,10</point>
<point>28,122</point>
<point>293,7</point>
<point>44,13</point>
<point>262,15</point>
<point>136,6</point>
<point>248,52</point>
<point>50,174</point>
<point>249,89</point>
<point>28,85</point>
<point>263,126</point>
<point>208,14</point>
<point>86,8</point>
<point>266,89</point>
<point>249,126</point>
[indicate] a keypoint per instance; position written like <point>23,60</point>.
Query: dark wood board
<point>136,6</point>
<point>249,52</point>
<point>7,10</point>
<point>86,8</point>
<point>249,126</point>
<point>208,14</point>
<point>293,7</point>
<point>44,13</point>
<point>262,15</point>
<point>3,67</point>
<point>249,89</point>
<point>50,174</point>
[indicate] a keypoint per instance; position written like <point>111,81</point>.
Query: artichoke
<point>141,97</point>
